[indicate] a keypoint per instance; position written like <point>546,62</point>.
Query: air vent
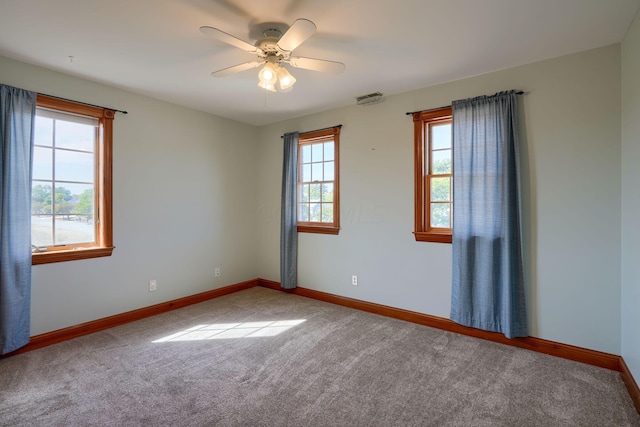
<point>372,98</point>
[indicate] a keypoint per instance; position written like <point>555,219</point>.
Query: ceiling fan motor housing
<point>269,44</point>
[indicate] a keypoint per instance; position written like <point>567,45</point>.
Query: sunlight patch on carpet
<point>221,331</point>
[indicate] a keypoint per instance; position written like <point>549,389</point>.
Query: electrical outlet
<point>354,280</point>
<point>217,272</point>
<point>153,285</point>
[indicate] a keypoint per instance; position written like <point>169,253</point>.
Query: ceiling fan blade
<point>299,31</point>
<point>316,64</point>
<point>237,68</point>
<point>228,38</point>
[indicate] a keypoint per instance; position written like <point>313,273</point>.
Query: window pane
<point>316,172</point>
<point>74,166</point>
<point>42,163</point>
<point>329,150</point>
<point>327,192</point>
<point>306,173</point>
<point>328,171</point>
<point>41,230</point>
<point>43,131</point>
<point>441,162</point>
<point>315,213</point>
<point>62,202</point>
<point>306,154</point>
<point>315,192</point>
<point>82,201</point>
<point>303,193</point>
<point>440,189</point>
<point>40,198</point>
<point>303,212</point>
<point>440,215</point>
<point>327,212</point>
<point>75,136</point>
<point>316,152</point>
<point>71,229</point>
<point>441,136</point>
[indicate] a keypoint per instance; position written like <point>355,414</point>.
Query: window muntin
<point>71,181</point>
<point>318,208</point>
<point>433,175</point>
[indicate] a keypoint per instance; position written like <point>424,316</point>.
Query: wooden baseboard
<point>53,337</point>
<point>578,354</point>
<point>630,382</point>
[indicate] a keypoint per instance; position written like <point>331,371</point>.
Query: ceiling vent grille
<point>372,98</point>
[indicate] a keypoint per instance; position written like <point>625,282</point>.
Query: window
<point>318,181</point>
<point>71,181</point>
<point>433,176</point>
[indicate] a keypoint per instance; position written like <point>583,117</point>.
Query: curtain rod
<point>409,113</point>
<point>318,130</point>
<point>83,103</point>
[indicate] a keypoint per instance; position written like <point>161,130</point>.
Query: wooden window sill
<point>318,229</point>
<point>70,255</point>
<point>433,236</point>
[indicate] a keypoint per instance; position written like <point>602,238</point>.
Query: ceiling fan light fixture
<point>267,86</point>
<point>268,74</point>
<point>285,79</point>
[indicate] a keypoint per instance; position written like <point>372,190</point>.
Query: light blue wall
<point>183,204</point>
<point>631,199</point>
<point>571,165</point>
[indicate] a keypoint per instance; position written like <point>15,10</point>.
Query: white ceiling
<point>154,47</point>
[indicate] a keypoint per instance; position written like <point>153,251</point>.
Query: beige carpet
<point>261,357</point>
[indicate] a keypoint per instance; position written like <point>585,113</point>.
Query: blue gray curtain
<point>488,287</point>
<point>17,118</point>
<point>288,220</point>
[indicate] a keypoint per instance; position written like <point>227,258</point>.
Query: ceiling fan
<point>273,50</point>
